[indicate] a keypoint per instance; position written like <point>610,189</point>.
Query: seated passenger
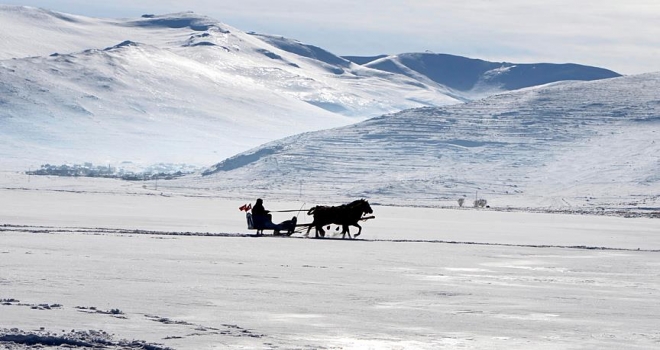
<point>289,226</point>
<point>262,217</point>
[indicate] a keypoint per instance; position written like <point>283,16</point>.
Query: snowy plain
<point>181,271</point>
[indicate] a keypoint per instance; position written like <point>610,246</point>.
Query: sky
<point>621,36</point>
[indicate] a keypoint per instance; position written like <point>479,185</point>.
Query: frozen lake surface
<point>75,261</point>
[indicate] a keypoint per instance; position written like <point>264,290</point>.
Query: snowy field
<point>111,264</point>
<point>106,264</point>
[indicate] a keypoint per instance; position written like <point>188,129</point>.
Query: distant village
<point>154,172</point>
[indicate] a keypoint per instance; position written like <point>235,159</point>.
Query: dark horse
<point>344,215</point>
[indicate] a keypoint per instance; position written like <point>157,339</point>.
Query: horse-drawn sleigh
<point>343,216</point>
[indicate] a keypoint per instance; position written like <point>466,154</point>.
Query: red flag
<point>243,207</point>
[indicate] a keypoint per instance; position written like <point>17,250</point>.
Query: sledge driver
<point>262,219</point>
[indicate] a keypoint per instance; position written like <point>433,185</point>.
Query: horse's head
<point>364,205</point>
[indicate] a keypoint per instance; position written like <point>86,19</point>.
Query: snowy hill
<point>178,88</point>
<point>478,76</point>
<point>172,88</point>
<point>578,144</point>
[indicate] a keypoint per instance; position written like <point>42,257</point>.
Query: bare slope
<point>571,144</point>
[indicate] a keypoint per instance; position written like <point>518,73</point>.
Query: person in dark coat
<point>263,219</point>
<point>259,209</point>
<point>261,216</point>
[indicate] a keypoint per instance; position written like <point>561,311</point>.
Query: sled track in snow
<point>120,231</point>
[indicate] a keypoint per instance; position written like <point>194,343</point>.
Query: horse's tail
<point>311,211</point>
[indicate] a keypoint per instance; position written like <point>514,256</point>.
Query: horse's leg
<point>345,231</point>
<point>360,229</point>
<point>319,232</point>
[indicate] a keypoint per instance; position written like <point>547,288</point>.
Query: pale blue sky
<point>620,35</point>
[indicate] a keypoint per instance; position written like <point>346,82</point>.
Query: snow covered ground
<point>89,261</point>
<point>99,263</point>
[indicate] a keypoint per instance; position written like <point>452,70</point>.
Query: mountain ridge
<point>468,74</point>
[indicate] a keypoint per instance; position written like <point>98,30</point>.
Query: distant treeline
<point>89,170</point>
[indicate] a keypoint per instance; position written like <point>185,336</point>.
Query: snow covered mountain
<point>476,77</point>
<point>179,88</point>
<point>584,144</point>
<point>173,88</point>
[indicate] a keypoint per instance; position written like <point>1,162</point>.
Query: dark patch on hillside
<point>184,20</point>
<point>241,160</point>
<point>362,60</point>
<point>304,50</point>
